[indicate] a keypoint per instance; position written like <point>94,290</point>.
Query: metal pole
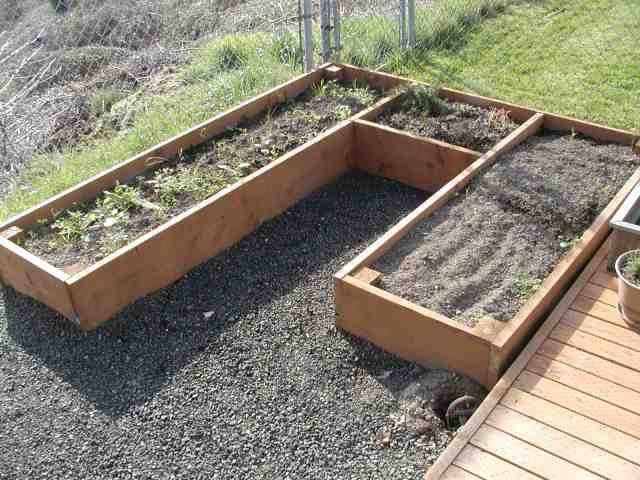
<point>307,12</point>
<point>337,41</point>
<point>412,23</point>
<point>325,27</point>
<point>402,18</point>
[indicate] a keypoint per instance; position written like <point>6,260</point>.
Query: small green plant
<point>121,199</point>
<point>526,285</point>
<point>422,98</point>
<point>73,225</point>
<point>631,267</point>
<point>170,183</point>
<point>342,112</point>
<point>321,89</point>
<point>230,55</point>
<point>113,240</point>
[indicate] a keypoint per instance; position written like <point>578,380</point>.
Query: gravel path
<point>235,371</point>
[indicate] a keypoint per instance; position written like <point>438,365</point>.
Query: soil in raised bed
<point>87,233</point>
<point>483,254</point>
<point>460,124</point>
<point>235,371</point>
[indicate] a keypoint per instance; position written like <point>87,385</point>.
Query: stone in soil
<point>479,258</point>
<point>235,371</point>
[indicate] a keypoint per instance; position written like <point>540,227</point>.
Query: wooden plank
<point>201,133</point>
<point>386,242</point>
<point>368,275</point>
<point>517,112</point>
<point>506,381</point>
<point>598,132</point>
<point>511,338</point>
<point>574,424</point>
<point>376,109</point>
<point>600,310</point>
<point>456,473</point>
<point>585,382</point>
<point>13,234</point>
<point>381,80</point>
<point>579,402</point>
<point>422,163</point>
<point>412,332</point>
<point>613,333</point>
<point>602,294</point>
<point>490,467</point>
<point>527,456</point>
<point>29,275</point>
<point>591,363</point>
<point>597,346</point>
<point>605,279</point>
<point>208,228</point>
<point>562,445</point>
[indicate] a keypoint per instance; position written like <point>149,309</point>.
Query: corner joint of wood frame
<point>334,72</point>
<point>13,234</point>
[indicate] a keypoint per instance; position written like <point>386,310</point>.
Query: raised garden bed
<point>141,225</point>
<point>463,280</point>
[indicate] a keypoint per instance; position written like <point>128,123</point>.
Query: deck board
<point>569,406</point>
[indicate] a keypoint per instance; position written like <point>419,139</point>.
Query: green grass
<point>219,77</point>
<point>575,58</point>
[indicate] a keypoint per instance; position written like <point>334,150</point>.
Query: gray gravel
<point>480,257</point>
<point>235,371</point>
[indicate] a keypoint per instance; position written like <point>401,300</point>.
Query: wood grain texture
<point>422,163</point>
<point>27,274</point>
<point>597,309</point>
<point>574,424</point>
<point>562,445</point>
<point>597,346</point>
<point>605,279</point>
<point>585,382</point>
<point>594,326</point>
<point>368,275</point>
<point>581,403</point>
<point>210,227</point>
<point>490,467</point>
<point>456,473</point>
<point>527,456</point>
<point>414,333</point>
<point>591,363</point>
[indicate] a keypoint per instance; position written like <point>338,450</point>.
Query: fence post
<point>337,41</point>
<point>412,23</point>
<point>402,18</point>
<point>307,12</point>
<point>325,29</point>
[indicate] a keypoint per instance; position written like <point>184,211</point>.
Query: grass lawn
<point>577,58</point>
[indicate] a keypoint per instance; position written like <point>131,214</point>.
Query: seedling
<point>422,98</point>
<point>631,268</point>
<point>527,285</point>
<point>342,112</point>
<point>73,225</point>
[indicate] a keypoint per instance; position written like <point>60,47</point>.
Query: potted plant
<point>628,270</point>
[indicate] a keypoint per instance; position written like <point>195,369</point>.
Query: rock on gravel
<point>235,371</point>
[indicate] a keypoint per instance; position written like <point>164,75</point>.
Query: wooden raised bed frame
<point>423,335</point>
<point>92,296</point>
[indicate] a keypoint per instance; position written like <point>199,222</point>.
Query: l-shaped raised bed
<point>414,292</point>
<point>170,238</point>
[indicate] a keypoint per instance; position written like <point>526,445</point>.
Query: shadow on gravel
<point>126,362</point>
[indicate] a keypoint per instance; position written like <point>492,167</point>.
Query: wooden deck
<point>569,406</point>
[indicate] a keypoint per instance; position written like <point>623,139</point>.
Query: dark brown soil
<point>464,125</point>
<point>482,255</point>
<point>219,163</point>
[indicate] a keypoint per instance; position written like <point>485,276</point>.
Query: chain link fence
<point>61,60</point>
